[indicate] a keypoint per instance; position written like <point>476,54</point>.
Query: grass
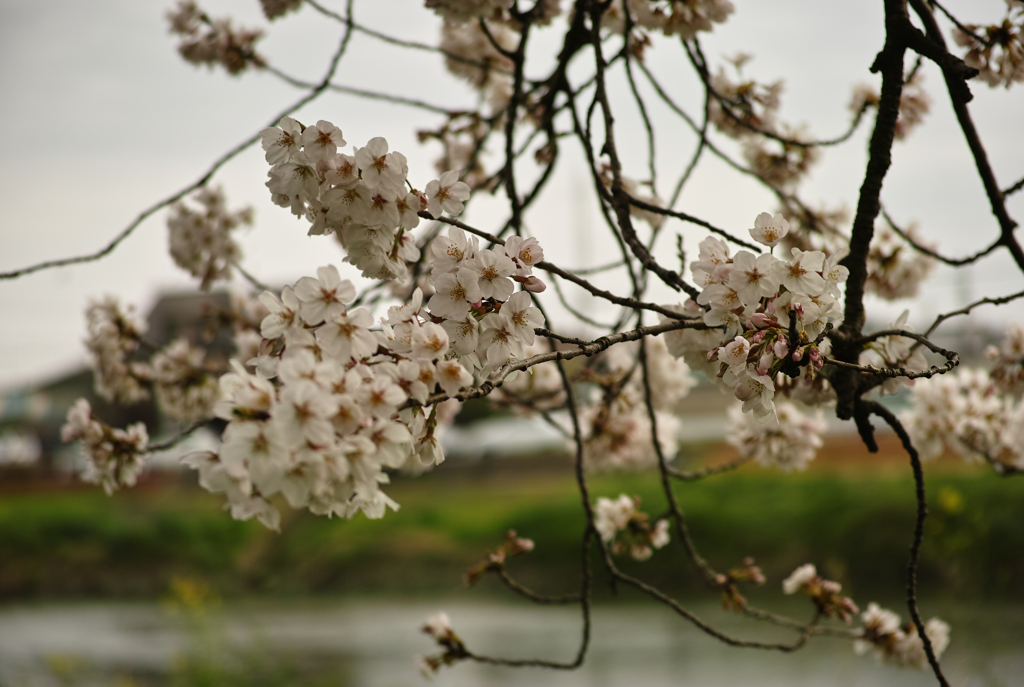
<point>854,524</point>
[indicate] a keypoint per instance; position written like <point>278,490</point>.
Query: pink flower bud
<point>534,285</point>
<point>765,363</point>
<point>758,336</point>
<point>780,349</point>
<point>760,320</point>
<point>798,355</point>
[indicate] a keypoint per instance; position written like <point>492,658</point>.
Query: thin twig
<point>915,545</point>
<point>220,162</point>
<point>1002,300</point>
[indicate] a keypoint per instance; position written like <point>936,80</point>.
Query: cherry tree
<point>353,372</point>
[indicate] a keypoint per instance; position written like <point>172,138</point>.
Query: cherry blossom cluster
<point>348,402</point>
<point>824,593</point>
<point>463,11</point>
<point>185,388</point>
<point>213,41</point>
<point>895,269</point>
<point>772,313</point>
<point>439,628</point>
<point>474,300</point>
<point>473,57</point>
<point>732,600</point>
<point>1008,360</point>
<point>895,352</point>
<point>627,529</point>
<point>914,103</point>
<point>683,18</point>
<point>362,197</point>
<point>899,644</point>
<point>749,102</point>
<point>997,50</point>
<point>788,446</point>
<point>462,138</point>
<point>616,421</point>
<point>273,9</point>
<point>200,240</point>
<point>114,338</point>
<point>512,546</point>
<point>113,456</point>
<point>969,413</point>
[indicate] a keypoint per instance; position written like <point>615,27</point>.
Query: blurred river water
<point>373,643</point>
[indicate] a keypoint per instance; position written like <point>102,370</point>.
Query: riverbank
<point>852,517</point>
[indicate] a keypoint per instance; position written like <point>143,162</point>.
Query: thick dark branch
<point>890,63</point>
<point>955,84</point>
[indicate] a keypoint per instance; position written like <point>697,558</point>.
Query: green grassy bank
<point>855,525</point>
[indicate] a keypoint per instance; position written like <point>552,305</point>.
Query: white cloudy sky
<point>102,118</point>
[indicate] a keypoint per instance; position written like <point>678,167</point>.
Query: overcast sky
<point>102,119</point>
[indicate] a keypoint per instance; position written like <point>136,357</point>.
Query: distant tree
<point>333,387</point>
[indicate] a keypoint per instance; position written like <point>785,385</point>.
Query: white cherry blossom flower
<point>303,415</point>
<point>322,141</point>
<point>377,166</point>
<point>283,312</point>
<point>769,230</point>
<point>454,293</point>
<point>498,340</point>
<point>429,341</point>
<point>494,270</point>
<point>452,251</point>
<point>347,336</point>
<point>464,334</point>
<point>525,252</point>
<point>734,353</point>
<point>282,141</point>
<point>522,316</point>
<point>799,578</point>
<point>342,170</point>
<point>753,277</point>
<point>446,194</point>
<point>325,297</point>
<point>800,275</point>
<point>452,376</point>
<point>834,274</point>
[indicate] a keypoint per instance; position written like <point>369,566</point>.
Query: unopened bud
<point>534,285</point>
